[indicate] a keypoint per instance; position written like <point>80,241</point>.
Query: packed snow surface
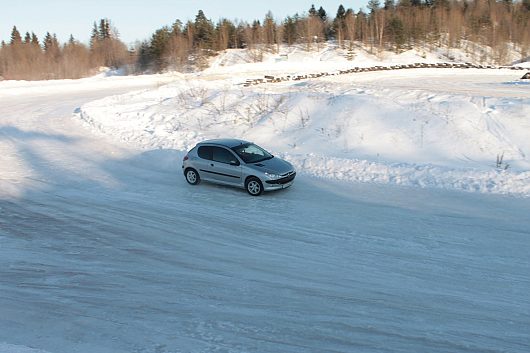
<point>105,248</point>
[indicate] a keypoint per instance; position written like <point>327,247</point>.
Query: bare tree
<point>269,31</point>
<point>313,30</point>
<point>351,26</point>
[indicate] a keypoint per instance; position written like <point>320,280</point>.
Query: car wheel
<point>192,177</point>
<point>254,186</point>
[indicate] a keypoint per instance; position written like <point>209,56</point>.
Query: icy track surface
<point>105,248</point>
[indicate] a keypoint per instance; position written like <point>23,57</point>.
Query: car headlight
<point>272,176</point>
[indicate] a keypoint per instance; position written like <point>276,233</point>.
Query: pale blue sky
<point>138,19</point>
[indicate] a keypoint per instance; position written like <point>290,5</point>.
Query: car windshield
<point>251,153</point>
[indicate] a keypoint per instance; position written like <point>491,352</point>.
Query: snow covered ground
<point>105,248</point>
<point>446,128</point>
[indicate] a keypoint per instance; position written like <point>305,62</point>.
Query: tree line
<point>28,58</point>
<point>501,26</point>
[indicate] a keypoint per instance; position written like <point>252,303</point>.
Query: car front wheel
<point>192,177</point>
<point>254,186</point>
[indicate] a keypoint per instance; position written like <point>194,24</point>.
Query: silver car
<point>237,163</point>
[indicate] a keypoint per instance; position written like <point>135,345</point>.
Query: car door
<point>225,166</point>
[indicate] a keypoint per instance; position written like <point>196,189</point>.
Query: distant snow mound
<point>230,58</point>
<point>301,56</point>
<point>325,55</point>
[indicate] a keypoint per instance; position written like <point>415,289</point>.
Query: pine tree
<point>51,46</point>
<point>104,29</point>
<point>396,29</point>
<point>52,55</point>
<point>34,39</point>
<point>15,36</point>
<point>341,13</point>
<point>94,37</point>
<point>105,47</point>
<point>159,43</point>
<point>339,25</point>
<point>144,58</point>
<point>389,5</point>
<point>322,14</point>
<point>203,31</point>
<point>176,28</point>
<point>289,30</point>
<point>373,5</point>
<point>47,42</point>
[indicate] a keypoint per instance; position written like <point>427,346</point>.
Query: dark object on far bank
<point>526,76</point>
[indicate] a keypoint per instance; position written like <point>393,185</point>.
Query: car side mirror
<point>236,163</point>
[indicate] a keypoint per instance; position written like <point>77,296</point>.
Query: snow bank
<point>443,128</point>
<point>493,181</point>
<point>101,81</point>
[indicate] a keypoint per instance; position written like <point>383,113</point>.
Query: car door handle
<point>211,164</point>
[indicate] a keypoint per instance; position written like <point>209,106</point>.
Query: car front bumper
<point>281,183</point>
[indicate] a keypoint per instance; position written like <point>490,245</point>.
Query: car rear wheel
<point>254,186</point>
<point>192,177</point>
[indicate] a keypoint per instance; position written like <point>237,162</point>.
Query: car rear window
<point>205,152</point>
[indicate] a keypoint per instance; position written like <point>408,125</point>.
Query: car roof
<point>225,142</point>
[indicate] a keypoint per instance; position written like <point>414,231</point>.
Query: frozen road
<point>106,249</point>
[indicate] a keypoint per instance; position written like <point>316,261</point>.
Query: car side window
<point>205,152</point>
<point>224,156</point>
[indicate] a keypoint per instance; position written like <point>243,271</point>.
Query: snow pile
<point>444,128</point>
<point>493,181</point>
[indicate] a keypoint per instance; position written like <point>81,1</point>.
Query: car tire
<point>192,177</point>
<point>254,186</point>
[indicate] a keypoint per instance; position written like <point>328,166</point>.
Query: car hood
<point>274,165</point>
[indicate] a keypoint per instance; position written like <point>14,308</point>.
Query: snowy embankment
<point>441,128</point>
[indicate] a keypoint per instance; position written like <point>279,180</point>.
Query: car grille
<point>286,179</point>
